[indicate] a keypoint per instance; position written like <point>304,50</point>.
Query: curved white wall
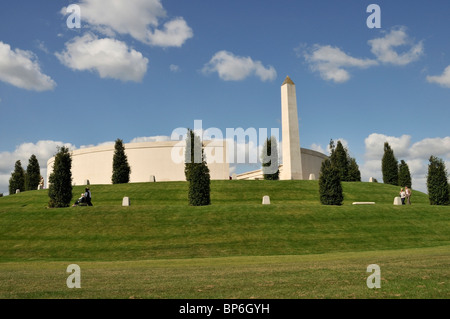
<point>311,164</point>
<point>145,159</point>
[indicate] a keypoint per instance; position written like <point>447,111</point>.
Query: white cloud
<point>332,62</point>
<point>415,155</point>
<point>317,148</point>
<point>383,48</point>
<point>431,146</point>
<point>41,46</point>
<point>443,79</point>
<point>174,68</point>
<point>43,150</point>
<point>174,34</point>
<point>21,69</point>
<point>375,145</point>
<point>236,68</point>
<point>109,57</point>
<point>137,18</point>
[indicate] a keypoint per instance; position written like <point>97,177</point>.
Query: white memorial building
<point>154,161</point>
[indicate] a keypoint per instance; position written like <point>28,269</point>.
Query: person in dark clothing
<point>88,196</point>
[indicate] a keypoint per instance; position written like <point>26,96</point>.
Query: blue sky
<point>137,70</point>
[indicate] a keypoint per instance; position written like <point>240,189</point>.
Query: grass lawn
<point>160,247</point>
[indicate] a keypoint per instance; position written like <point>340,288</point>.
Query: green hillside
<point>159,233</point>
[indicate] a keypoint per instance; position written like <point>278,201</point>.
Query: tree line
<point>340,166</point>
<point>398,174</point>
<point>25,180</point>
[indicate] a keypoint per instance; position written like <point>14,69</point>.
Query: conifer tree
<point>404,176</point>
<point>389,166</point>
<point>33,175</point>
<point>60,180</point>
<point>330,188</point>
<point>121,168</point>
<point>346,165</point>
<point>197,171</point>
<point>437,182</point>
<point>17,180</point>
<point>339,159</point>
<point>353,173</point>
<point>269,159</point>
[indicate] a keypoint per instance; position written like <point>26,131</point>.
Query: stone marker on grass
<point>126,201</point>
<point>312,177</point>
<point>397,201</point>
<point>17,191</point>
<point>363,203</point>
<point>266,200</point>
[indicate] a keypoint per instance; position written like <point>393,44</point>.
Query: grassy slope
<point>160,226</point>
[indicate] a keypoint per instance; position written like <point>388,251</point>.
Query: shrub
<point>121,168</point>
<point>60,180</point>
<point>404,176</point>
<point>17,180</point>
<point>197,172</point>
<point>330,187</point>
<point>346,165</point>
<point>389,166</point>
<point>33,173</point>
<point>437,182</point>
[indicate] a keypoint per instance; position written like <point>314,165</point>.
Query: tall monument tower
<point>292,160</point>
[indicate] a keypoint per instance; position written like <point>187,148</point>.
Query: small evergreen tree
<point>121,169</point>
<point>17,180</point>
<point>339,159</point>
<point>346,165</point>
<point>330,188</point>
<point>437,182</point>
<point>33,176</point>
<point>197,171</point>
<point>269,159</point>
<point>60,180</point>
<point>353,173</point>
<point>389,166</point>
<point>404,176</point>
<point>193,153</point>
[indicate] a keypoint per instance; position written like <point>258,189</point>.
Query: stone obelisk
<point>292,160</point>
